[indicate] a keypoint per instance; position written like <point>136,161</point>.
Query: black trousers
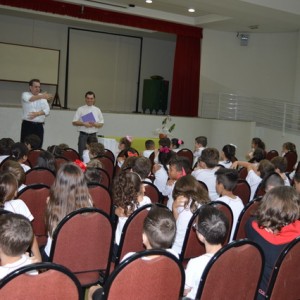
<point>32,128</point>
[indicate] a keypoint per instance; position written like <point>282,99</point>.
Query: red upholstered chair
<point>35,197</point>
<point>228,213</point>
<point>245,214</point>
<point>101,197</point>
<point>243,172</point>
<point>39,175</point>
<point>291,158</point>
<point>192,247</point>
<point>152,192</point>
<point>105,178</point>
<point>70,154</point>
<point>60,160</point>
<point>188,154</point>
<point>108,165</point>
<point>284,283</point>
<point>260,191</point>
<point>109,154</point>
<point>131,236</point>
<point>52,282</point>
<point>271,154</point>
<point>243,190</point>
<point>82,242</point>
<point>33,156</point>
<point>232,273</point>
<point>137,277</point>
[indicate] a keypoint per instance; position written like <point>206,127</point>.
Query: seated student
<point>32,141</point>
<point>19,153</point>
<point>288,147</point>
<point>200,145</point>
<point>256,143</point>
<point>46,160</point>
<point>188,196</point>
<point>226,182</point>
<point>16,236</point>
<point>5,148</point>
<point>206,169</point>
<point>124,154</point>
<point>158,233</point>
<point>86,152</point>
<point>163,143</point>
<point>275,225</point>
<point>178,166</point>
<point>176,144</point>
<point>63,146</point>
<point>15,168</point>
<point>280,163</point>
<point>211,229</point>
<point>142,166</point>
<point>272,180</point>
<point>150,147</point>
<point>227,155</point>
<point>95,150</point>
<point>8,192</point>
<point>256,173</point>
<point>55,150</point>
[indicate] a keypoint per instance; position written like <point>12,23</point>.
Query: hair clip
<point>129,138</point>
<point>179,142</point>
<point>80,164</point>
<point>233,145</point>
<point>183,171</point>
<point>131,154</point>
<point>164,150</point>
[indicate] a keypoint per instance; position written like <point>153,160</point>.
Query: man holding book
<point>88,119</point>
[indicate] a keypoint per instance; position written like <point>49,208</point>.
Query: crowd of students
<point>181,184</point>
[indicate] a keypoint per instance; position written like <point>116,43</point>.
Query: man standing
<point>35,109</point>
<point>89,119</point>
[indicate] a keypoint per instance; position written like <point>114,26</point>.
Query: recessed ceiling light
<point>191,10</point>
<point>148,1</point>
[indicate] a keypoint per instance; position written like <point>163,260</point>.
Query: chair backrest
<point>60,160</point>
<point>35,197</point>
<point>33,155</point>
<point>70,154</point>
<point>291,158</point>
<point>203,184</point>
<point>260,190</point>
<point>39,175</point>
<point>188,154</point>
<point>53,282</point>
<point>101,197</point>
<point>243,190</point>
<point>271,154</point>
<point>152,157</point>
<point>109,154</point>
<point>108,165</point>
<point>82,242</point>
<point>228,213</point>
<point>131,236</point>
<point>191,247</point>
<point>137,277</point>
<point>284,283</point>
<point>243,172</point>
<point>152,192</point>
<point>233,272</point>
<point>245,215</point>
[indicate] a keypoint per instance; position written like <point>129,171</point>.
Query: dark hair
<point>16,169</point>
<point>227,177</point>
<point>149,143</point>
<point>190,188</point>
<point>46,160</point>
<point>8,187</point>
<point>229,152</point>
<point>265,167</point>
<point>90,93</point>
<point>142,166</point>
<point>92,139</point>
<point>258,155</point>
<point>96,149</point>
<point>210,156</point>
<point>272,180</point>
<point>202,140</point>
<point>18,151</point>
<point>212,224</point>
<point>55,150</point>
<point>258,143</point>
<point>181,162</point>
<point>280,163</point>
<point>177,142</point>
<point>164,142</point>
<point>160,227</point>
<point>92,175</point>
<point>164,157</point>
<point>279,207</point>
<point>297,177</point>
<point>33,80</point>
<point>33,140</point>
<point>5,146</point>
<point>125,141</point>
<point>16,234</point>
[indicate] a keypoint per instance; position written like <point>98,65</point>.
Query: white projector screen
<point>22,63</point>
<point>108,65</point>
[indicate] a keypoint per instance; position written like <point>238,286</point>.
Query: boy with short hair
<point>150,147</point>
<point>280,163</point>
<point>211,229</point>
<point>206,168</point>
<point>142,166</point>
<point>16,236</point>
<point>200,145</point>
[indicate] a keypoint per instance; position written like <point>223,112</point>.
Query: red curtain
<point>186,77</point>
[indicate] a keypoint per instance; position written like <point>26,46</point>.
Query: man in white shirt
<point>88,119</point>
<point>35,109</point>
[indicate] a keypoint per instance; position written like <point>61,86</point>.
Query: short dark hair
<point>212,224</point>
<point>33,140</point>
<point>202,140</point>
<point>265,167</point>
<point>164,142</point>
<point>227,177</point>
<point>280,163</point>
<point>160,227</point>
<point>210,156</point>
<point>272,180</point>
<point>149,143</point>
<point>142,166</point>
<point>181,162</point>
<point>258,155</point>
<point>33,80</point>
<point>16,234</point>
<point>5,146</point>
<point>90,93</point>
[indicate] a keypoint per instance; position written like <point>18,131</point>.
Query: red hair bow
<point>130,154</point>
<point>80,164</point>
<point>164,150</point>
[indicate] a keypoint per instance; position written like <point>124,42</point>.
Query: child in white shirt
<point>200,145</point>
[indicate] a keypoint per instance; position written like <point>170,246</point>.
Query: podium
<point>155,95</point>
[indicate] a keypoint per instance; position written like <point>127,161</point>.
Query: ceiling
<point>226,15</point>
